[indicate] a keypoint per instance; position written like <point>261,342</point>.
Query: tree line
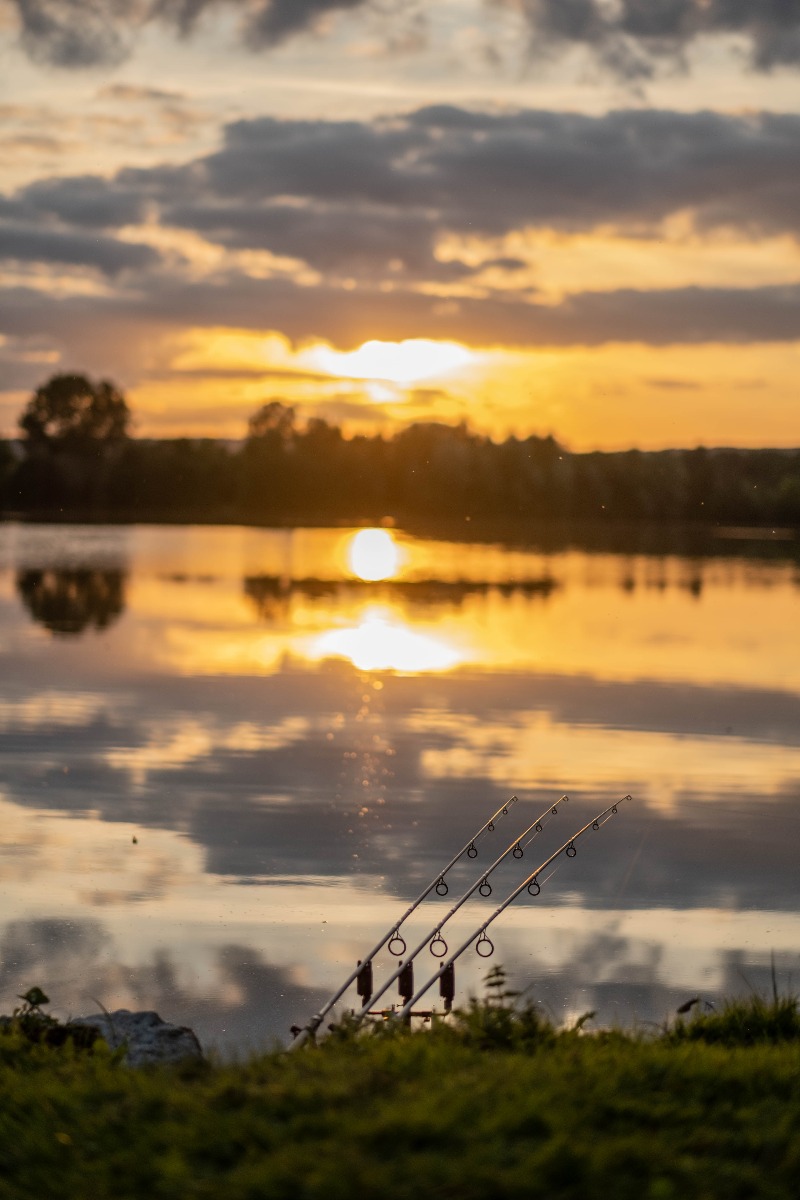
<point>76,457</point>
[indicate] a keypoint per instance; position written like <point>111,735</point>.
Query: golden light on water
<point>373,554</point>
<point>381,642</point>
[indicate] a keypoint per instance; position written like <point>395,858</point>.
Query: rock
<point>148,1038</point>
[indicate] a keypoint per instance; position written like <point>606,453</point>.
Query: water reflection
<point>241,996</point>
<point>381,642</point>
<point>297,750</point>
<point>72,600</point>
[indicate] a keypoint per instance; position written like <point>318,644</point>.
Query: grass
<point>496,1106</point>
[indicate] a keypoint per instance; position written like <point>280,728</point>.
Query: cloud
<point>83,200</point>
<point>77,33</point>
<point>91,33</point>
<point>327,237</point>
<point>368,202</point>
<point>277,20</point>
<point>372,199</point>
<point>129,92</point>
<point>632,38</point>
<point>118,328</point>
<point>450,168</point>
<point>110,256</point>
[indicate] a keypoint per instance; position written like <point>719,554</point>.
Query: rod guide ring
<point>437,942</point>
<point>483,940</point>
<point>394,941</point>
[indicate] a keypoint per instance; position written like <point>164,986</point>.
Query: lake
<point>230,757</point>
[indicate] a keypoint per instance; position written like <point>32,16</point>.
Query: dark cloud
<point>277,20</point>
<point>90,33</point>
<point>333,160</point>
<point>77,33</point>
<point>328,238</point>
<point>629,167</point>
<point>633,37</point>
<point>82,200</point>
<point>129,321</point>
<point>371,200</point>
<point>446,168</point>
<point>23,243</point>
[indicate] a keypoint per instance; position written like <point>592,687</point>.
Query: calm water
<point>227,761</point>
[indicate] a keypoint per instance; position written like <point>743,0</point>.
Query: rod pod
<point>480,932</point>
<point>393,934</point>
<point>515,848</point>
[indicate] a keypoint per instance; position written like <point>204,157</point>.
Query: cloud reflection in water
<point>293,746</point>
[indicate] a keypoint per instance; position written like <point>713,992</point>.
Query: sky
<point>577,217</point>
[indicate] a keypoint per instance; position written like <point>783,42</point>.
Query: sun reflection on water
<point>381,642</point>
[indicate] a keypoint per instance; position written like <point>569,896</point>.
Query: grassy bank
<point>499,1105</point>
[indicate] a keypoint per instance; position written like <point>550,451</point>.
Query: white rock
<point>148,1038</point>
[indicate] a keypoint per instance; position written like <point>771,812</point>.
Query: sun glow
<point>380,642</point>
<point>373,554</point>
<point>404,362</point>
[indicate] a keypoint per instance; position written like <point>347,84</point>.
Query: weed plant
<point>495,1104</point>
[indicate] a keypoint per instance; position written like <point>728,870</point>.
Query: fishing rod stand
<point>427,1014</point>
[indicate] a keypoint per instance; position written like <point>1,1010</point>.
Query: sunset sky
<point>578,217</point>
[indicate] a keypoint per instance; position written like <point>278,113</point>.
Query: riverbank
<point>499,1105</point>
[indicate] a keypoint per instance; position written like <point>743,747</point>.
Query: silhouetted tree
<point>78,458</point>
<point>73,412</point>
<point>6,472</point>
<point>273,420</point>
<point>269,482</point>
<point>181,477</point>
<point>73,431</point>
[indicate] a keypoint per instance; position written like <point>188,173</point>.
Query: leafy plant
<point>741,1022</point>
<point>38,1026</point>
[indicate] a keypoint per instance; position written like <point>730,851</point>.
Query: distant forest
<point>75,459</point>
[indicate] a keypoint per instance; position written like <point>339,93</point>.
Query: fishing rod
<point>533,886</point>
<point>481,884</point>
<point>396,943</point>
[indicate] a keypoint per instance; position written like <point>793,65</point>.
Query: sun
<point>404,362</point>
